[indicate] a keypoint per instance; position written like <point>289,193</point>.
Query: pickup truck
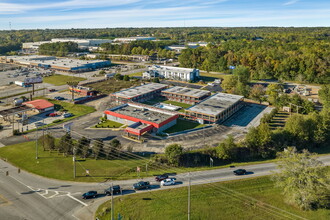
<point>141,185</point>
<point>116,190</point>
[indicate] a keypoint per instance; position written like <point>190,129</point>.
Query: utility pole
<point>74,163</point>
<point>147,169</point>
<point>37,145</point>
<point>112,205</point>
<point>189,183</point>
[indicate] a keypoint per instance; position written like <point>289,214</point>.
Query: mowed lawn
<point>108,124</point>
<point>180,104</point>
<point>59,80</point>
<point>56,165</point>
<point>243,199</point>
<point>183,125</point>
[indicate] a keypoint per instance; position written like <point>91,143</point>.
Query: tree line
<point>84,147</point>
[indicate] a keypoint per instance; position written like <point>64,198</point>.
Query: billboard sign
<point>33,80</point>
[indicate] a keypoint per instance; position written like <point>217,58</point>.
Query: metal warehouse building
<point>216,108</point>
<point>142,118</point>
<point>185,95</point>
<point>63,64</point>
<point>139,93</point>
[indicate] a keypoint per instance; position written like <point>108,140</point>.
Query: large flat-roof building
<point>216,108</point>
<point>185,95</point>
<point>63,64</point>
<point>139,93</point>
<point>170,72</point>
<point>82,43</point>
<point>141,118</point>
<point>131,39</point>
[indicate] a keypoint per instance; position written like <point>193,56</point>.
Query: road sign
<point>87,171</point>
<point>33,80</point>
<point>138,169</point>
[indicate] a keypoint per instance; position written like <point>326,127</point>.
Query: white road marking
<point>56,193</point>
<point>69,195</point>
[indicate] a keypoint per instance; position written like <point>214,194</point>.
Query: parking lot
<point>245,115</point>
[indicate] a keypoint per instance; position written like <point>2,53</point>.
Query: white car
<point>168,182</point>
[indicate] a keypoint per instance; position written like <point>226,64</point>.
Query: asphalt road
<point>27,196</point>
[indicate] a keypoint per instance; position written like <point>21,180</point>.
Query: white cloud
<point>291,2</point>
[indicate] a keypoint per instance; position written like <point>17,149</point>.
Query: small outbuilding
<point>40,105</point>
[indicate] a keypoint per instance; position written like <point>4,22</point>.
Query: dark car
<point>89,194</point>
<point>239,172</point>
<point>141,185</point>
<point>59,98</point>
<point>52,90</point>
<point>116,190</point>
<point>161,177</point>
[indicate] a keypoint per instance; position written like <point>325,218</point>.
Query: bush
<point>16,132</point>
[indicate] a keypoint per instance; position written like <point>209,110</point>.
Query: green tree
<point>227,150</point>
<point>242,73</point>
<point>173,153</point>
<point>126,78</point>
<point>98,148</point>
<point>257,92</point>
<point>303,179</point>
<point>324,94</point>
<point>47,141</point>
<point>118,76</point>
<point>273,91</point>
<point>81,146</point>
<point>229,84</point>
<point>65,144</point>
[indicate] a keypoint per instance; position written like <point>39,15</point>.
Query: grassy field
<point>183,125</point>
<point>59,80</point>
<point>111,85</point>
<point>108,124</point>
<point>55,165</point>
<point>210,77</point>
<point>180,104</point>
<point>242,199</point>
<point>136,74</point>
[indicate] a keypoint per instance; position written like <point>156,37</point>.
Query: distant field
<point>243,199</point>
<point>112,85</point>
<point>59,80</point>
<point>136,74</point>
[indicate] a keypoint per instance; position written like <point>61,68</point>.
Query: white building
<point>170,72</point>
<point>130,39</point>
<point>179,48</point>
<point>90,44</point>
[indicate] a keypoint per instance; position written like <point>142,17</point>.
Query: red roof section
<point>40,104</point>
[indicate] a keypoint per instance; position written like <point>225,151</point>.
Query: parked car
<point>116,190</point>
<point>51,114</point>
<point>89,194</point>
<point>168,182</point>
<point>67,115</point>
<point>239,172</point>
<point>141,185</point>
<point>59,98</point>
<point>161,177</point>
<point>52,90</point>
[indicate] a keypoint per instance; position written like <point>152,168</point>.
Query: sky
<point>40,14</point>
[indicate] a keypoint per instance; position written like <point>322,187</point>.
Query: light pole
<point>189,182</point>
<point>112,205</point>
<point>37,145</point>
